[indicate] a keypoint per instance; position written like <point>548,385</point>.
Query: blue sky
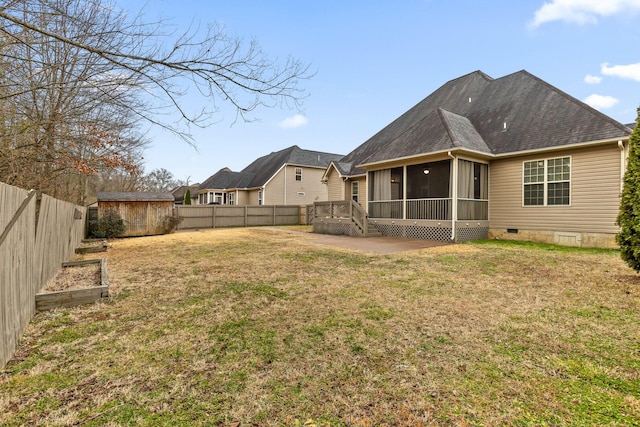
<point>376,59</point>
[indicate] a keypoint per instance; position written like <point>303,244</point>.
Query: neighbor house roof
<point>134,197</point>
<point>515,113</point>
<point>180,191</point>
<point>264,168</point>
<point>225,178</point>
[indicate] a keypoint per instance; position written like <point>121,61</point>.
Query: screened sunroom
<point>445,190</point>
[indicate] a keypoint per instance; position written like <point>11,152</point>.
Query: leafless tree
<point>70,115</point>
<point>79,77</point>
<point>160,180</point>
<point>144,56</point>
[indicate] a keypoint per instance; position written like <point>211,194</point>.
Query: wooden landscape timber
<point>73,297</point>
<point>92,246</point>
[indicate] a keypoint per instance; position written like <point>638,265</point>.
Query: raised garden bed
<point>90,246</point>
<point>79,282</point>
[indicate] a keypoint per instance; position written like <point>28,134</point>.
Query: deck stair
<point>372,231</point>
<point>345,212</point>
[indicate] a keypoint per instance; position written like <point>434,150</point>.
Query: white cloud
<point>582,11</point>
<point>592,80</point>
<point>293,122</point>
<point>600,102</point>
<point>631,71</point>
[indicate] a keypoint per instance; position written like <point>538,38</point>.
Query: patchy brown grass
<point>258,327</point>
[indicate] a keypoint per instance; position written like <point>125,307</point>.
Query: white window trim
<point>296,170</point>
<point>546,183</point>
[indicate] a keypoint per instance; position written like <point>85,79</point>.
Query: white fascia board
<point>415,156</point>
<point>274,175</point>
<point>328,169</point>
<point>489,156</point>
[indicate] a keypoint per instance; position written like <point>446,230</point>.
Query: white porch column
<point>404,192</point>
<point>454,194</point>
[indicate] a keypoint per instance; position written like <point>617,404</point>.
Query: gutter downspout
<point>623,163</point>
<point>454,195</point>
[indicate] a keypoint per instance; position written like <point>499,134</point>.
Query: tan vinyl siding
<point>595,190</point>
<point>274,190</point>
<point>243,198</point>
<point>283,189</point>
<point>335,186</point>
<point>251,197</point>
<point>362,190</point>
<point>309,190</point>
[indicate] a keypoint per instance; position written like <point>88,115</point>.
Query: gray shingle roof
<point>134,197</point>
<point>262,169</point>
<point>471,112</point>
<point>179,191</point>
<point>343,168</point>
<point>225,178</point>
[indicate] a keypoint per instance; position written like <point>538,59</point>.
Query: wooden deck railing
<point>343,209</point>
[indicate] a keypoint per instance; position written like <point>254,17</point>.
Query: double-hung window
<point>547,182</point>
<point>298,174</point>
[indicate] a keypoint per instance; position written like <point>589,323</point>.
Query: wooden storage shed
<point>143,213</point>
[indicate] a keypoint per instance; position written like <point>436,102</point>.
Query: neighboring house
<point>180,191</point>
<point>143,213</point>
<point>508,158</point>
<point>288,177</point>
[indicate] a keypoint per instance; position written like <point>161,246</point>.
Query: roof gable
<point>462,132</point>
<point>261,170</point>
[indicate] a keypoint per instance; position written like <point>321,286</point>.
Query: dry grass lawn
<point>257,327</point>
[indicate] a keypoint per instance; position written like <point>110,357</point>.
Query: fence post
<point>245,214</point>
<point>274,215</point>
<point>213,216</point>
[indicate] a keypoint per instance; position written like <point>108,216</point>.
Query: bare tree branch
<point>217,64</point>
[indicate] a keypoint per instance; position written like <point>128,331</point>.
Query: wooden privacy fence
<point>219,216</point>
<point>31,252</point>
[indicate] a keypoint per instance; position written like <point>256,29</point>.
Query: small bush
<point>108,226</point>
<point>170,223</point>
